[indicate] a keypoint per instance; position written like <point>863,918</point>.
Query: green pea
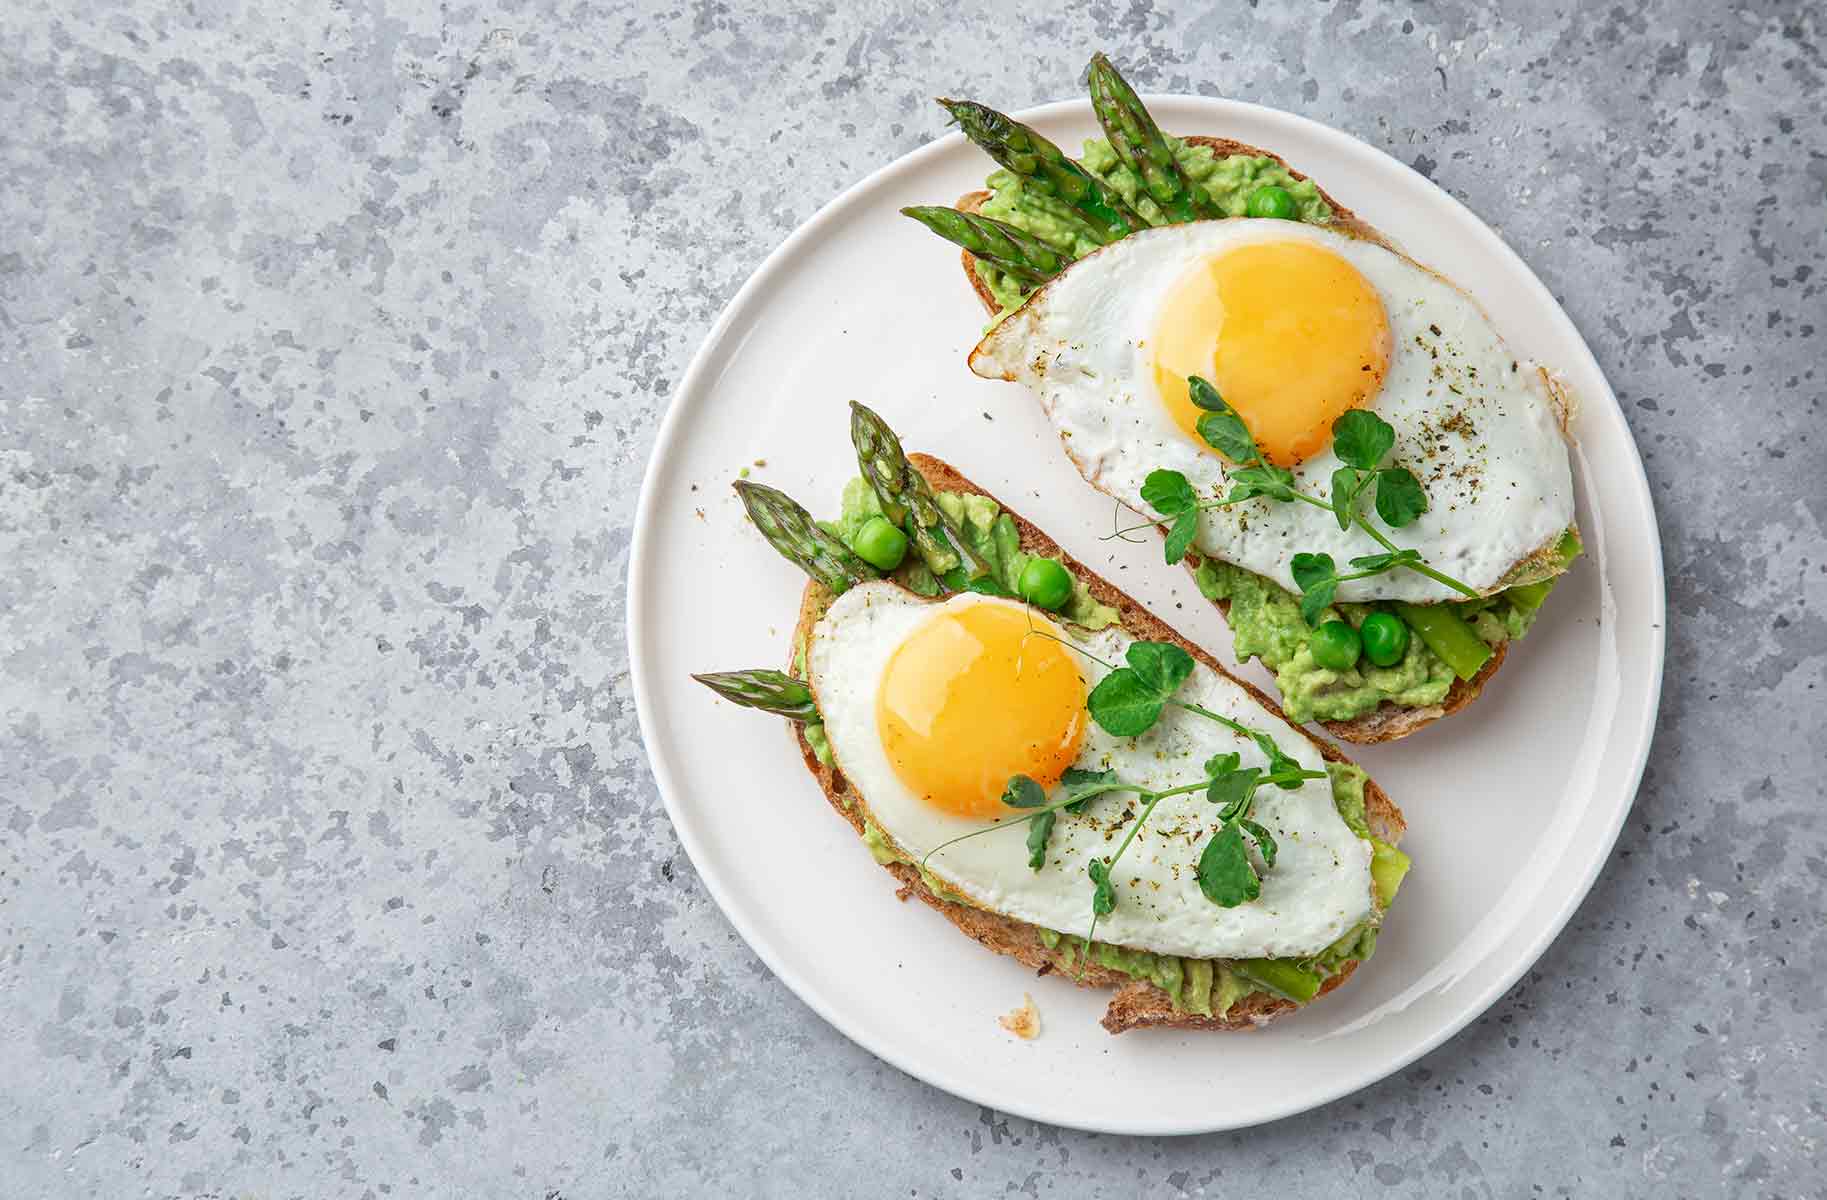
<point>1045,584</point>
<point>1336,646</point>
<point>1385,638</point>
<point>1271,201</point>
<point>880,544</point>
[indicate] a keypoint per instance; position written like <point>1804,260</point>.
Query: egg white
<point>1476,424</point>
<point>1320,886</point>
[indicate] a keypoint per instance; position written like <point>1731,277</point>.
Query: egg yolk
<point>970,698</point>
<point>1290,334</point>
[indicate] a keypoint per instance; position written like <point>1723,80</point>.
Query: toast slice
<point>1136,1004</point>
<point>1387,721</point>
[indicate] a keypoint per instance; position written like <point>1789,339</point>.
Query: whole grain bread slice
<point>1136,1004</point>
<point>1387,721</point>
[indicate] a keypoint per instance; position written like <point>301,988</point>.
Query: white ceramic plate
<point>1512,806</point>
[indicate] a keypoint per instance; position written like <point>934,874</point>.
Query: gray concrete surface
<point>329,862</point>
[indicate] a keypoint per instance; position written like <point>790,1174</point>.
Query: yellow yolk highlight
<point>972,697</point>
<point>1289,333</point>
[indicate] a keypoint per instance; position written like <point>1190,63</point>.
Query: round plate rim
<point>1148,1125</point>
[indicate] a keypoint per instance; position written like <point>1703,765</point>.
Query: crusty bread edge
<point>1136,1004</point>
<point>1388,721</point>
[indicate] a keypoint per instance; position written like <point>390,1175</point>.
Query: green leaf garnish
<point>1227,434</point>
<point>1231,790</point>
<point>1168,492</point>
<point>1345,484</point>
<point>1400,498</point>
<point>1024,792</point>
<point>1226,875</point>
<point>1361,438</point>
<point>1123,705</point>
<point>1384,561</point>
<point>1163,666</point>
<point>1128,701</point>
<point>1318,580</point>
<point>1040,830</point>
<point>1103,895</point>
<point>1076,778</point>
<point>1316,600</point>
<point>1265,845</point>
<point>1180,536</point>
<point>1263,479</point>
<point>1220,426</point>
<point>1279,763</point>
<point>1204,395</point>
<point>1080,786</point>
<point>1219,764</point>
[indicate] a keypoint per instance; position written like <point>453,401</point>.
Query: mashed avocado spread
<point>1266,623</point>
<point>1210,987</point>
<point>1229,181</point>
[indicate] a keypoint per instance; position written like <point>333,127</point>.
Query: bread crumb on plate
<point>1024,1022</point>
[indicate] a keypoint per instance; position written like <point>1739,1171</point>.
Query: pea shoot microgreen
<point>1127,702</point>
<point>1360,439</point>
<point>1023,792</point>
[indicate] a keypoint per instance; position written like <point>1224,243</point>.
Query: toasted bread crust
<point>1136,1004</point>
<point>1387,721</point>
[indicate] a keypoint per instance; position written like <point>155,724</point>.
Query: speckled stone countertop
<point>329,861</point>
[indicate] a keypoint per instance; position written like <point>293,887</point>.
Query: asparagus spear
<point>1003,246</point>
<point>1141,147</point>
<point>1046,168</point>
<point>791,530</point>
<point>904,491</point>
<point>770,691</point>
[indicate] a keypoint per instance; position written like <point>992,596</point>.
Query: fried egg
<point>1295,325</point>
<point>930,707</point>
